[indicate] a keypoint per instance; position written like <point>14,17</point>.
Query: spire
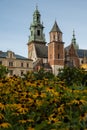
<point>36,28</point>
<point>74,41</point>
<point>36,7</point>
<point>55,28</point>
<point>36,16</point>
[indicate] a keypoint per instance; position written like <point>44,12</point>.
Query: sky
<point>17,15</point>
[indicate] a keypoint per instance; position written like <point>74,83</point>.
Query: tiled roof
<point>41,51</point>
<point>5,54</point>
<point>82,53</point>
<point>55,28</point>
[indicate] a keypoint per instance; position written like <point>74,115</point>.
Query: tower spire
<point>74,40</point>
<point>36,7</point>
<point>36,28</point>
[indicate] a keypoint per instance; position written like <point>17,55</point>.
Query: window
<point>27,65</point>
<point>37,18</point>
<point>38,32</point>
<point>58,37</point>
<point>10,63</point>
<point>58,56</point>
<point>82,61</point>
<point>31,33</point>
<point>22,64</point>
<point>53,37</point>
<point>11,55</point>
<point>0,62</point>
<point>22,72</point>
<point>11,72</point>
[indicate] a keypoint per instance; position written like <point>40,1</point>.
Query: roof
<point>47,66</point>
<point>5,55</point>
<point>68,47</point>
<point>55,28</point>
<point>41,50</point>
<point>82,53</point>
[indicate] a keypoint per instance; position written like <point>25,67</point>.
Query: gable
<point>70,50</point>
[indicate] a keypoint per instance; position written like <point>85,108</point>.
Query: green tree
<point>71,75</point>
<point>41,74</point>
<point>3,71</point>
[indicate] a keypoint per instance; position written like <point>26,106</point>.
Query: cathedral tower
<point>56,49</point>
<point>36,33</point>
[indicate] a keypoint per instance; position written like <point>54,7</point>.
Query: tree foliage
<point>72,75</point>
<point>3,71</point>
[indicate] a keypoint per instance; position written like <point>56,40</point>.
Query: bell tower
<point>36,34</point>
<point>56,49</point>
<point>36,28</point>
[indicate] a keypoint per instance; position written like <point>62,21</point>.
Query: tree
<point>71,75</point>
<point>3,71</point>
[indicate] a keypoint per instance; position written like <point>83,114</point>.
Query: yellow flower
<point>22,110</point>
<point>61,109</point>
<point>35,95</point>
<point>43,95</point>
<point>2,107</point>
<point>75,101</point>
<point>30,128</point>
<point>1,84</point>
<point>1,116</point>
<point>83,101</point>
<point>5,125</point>
<point>83,116</point>
<point>30,120</point>
<point>39,102</point>
<point>22,121</point>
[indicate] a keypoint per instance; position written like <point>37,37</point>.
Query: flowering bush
<point>46,104</point>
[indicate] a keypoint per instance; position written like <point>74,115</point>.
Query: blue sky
<point>16,17</point>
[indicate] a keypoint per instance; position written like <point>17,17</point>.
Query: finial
<point>55,19</point>
<point>36,7</point>
<point>73,39</point>
<point>73,33</point>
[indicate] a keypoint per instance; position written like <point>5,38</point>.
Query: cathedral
<point>53,55</point>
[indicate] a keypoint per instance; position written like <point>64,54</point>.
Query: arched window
<point>38,32</point>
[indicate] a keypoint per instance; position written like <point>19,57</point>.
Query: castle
<point>49,56</point>
<point>53,55</point>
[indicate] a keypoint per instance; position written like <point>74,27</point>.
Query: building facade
<point>16,64</point>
